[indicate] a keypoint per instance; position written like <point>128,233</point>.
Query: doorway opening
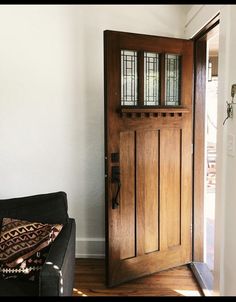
<point>210,149</point>
<point>205,133</point>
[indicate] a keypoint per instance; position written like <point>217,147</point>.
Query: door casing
<point>200,44</point>
<point>199,268</point>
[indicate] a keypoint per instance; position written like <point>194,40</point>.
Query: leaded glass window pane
<point>129,78</point>
<point>151,78</point>
<point>172,80</point>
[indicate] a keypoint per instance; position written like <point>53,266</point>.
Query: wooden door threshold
<point>203,276</point>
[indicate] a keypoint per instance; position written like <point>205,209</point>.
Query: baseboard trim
<point>90,247</point>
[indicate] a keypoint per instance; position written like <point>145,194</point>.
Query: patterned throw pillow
<point>24,246</point>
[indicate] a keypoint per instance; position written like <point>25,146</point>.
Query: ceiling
<point>186,7</point>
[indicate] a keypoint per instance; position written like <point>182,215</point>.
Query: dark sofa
<point>57,275</point>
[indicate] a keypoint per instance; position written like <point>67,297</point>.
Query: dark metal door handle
<point>115,202</point>
<point>115,178</point>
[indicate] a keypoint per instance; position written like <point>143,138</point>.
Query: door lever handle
<point>115,202</point>
<point>115,178</point>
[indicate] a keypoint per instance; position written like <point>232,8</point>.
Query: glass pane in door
<point>172,80</point>
<point>129,78</point>
<point>151,79</point>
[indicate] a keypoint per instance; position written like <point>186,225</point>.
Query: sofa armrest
<point>56,277</point>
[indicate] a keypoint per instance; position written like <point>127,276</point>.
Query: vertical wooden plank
<point>147,187</point>
<point>140,193</point>
<point>127,194</point>
<point>186,191</point>
<point>170,187</point>
<point>151,191</point>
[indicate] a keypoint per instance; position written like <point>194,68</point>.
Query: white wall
<point>225,222</point>
<point>230,179</point>
<point>51,101</point>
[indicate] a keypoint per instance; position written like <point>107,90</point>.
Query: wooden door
<point>148,152</point>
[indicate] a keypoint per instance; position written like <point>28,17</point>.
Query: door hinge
<point>192,149</point>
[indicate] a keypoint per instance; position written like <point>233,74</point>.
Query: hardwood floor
<point>90,281</point>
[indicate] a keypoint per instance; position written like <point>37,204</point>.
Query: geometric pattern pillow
<point>24,246</point>
<point>28,269</point>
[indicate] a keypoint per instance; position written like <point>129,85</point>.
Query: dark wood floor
<point>90,281</point>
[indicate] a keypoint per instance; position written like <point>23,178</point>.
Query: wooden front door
<point>148,152</point>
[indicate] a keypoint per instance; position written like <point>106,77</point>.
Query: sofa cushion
<point>46,208</point>
<point>24,247</point>
<point>17,288</point>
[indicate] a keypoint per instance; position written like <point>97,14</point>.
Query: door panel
<point>148,151</point>
<point>171,184</point>
<point>147,188</point>
<point>127,194</point>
